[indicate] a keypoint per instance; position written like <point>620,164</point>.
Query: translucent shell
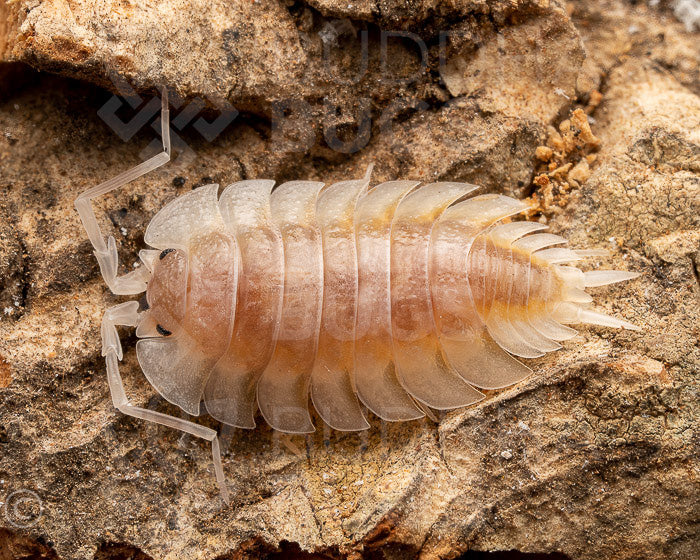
<point>421,367</point>
<point>230,393</point>
<point>400,298</point>
<point>376,381</point>
<point>463,336</point>
<point>332,390</point>
<point>185,218</point>
<point>283,388</point>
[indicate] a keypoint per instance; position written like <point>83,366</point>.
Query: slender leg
<point>126,314</point>
<point>287,441</point>
<point>226,437</point>
<point>429,412</point>
<point>106,251</point>
<point>364,440</point>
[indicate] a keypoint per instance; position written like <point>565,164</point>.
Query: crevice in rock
<point>20,546</point>
<point>512,555</point>
<point>119,551</point>
<point>441,451</point>
<point>695,267</point>
<point>24,275</point>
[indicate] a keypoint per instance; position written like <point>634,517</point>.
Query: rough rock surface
<point>596,455</point>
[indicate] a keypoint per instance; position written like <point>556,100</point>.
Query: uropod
<point>400,298</point>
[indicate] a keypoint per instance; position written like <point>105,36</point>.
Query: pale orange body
<point>399,298</point>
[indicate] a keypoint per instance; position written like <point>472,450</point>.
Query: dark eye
<point>161,330</point>
<point>163,253</point>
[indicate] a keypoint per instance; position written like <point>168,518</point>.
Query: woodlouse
<point>400,298</point>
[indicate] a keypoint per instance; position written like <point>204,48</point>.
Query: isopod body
<point>399,295</point>
<point>402,298</point>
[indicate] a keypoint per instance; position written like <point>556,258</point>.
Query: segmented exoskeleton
<point>400,298</point>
